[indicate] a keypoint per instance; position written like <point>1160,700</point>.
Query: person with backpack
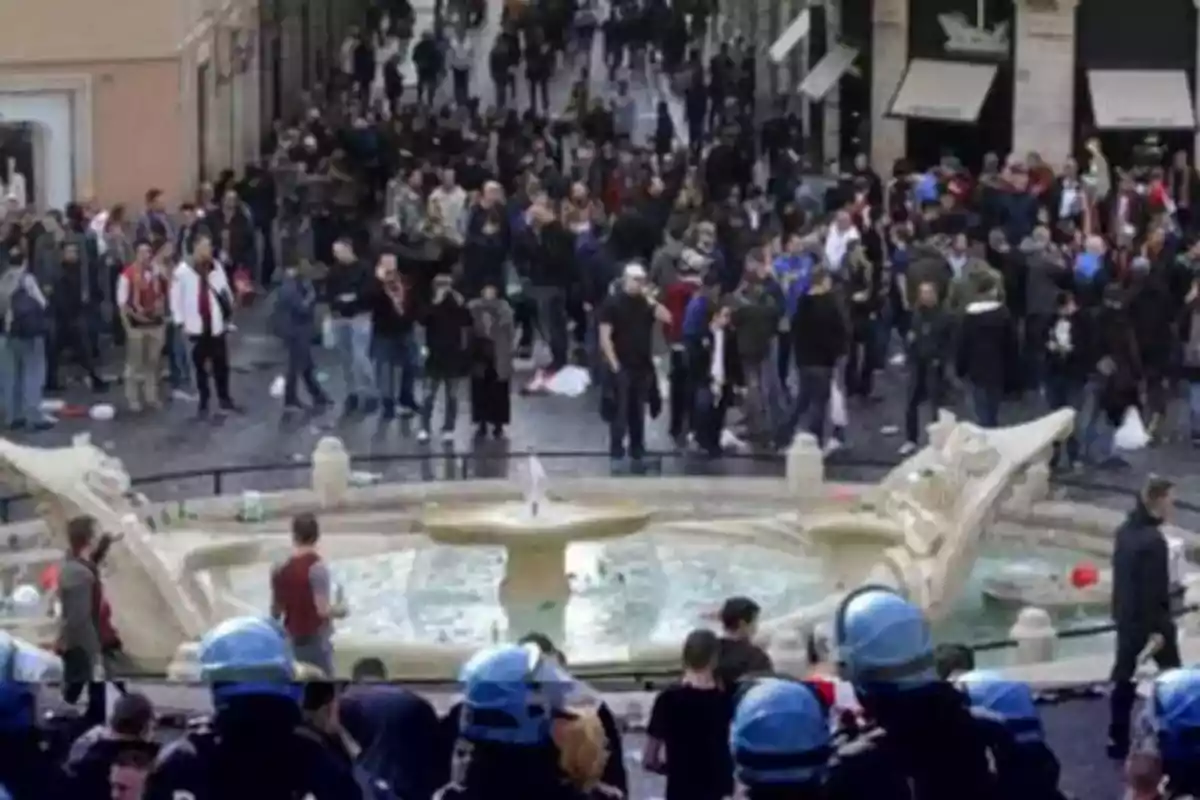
<point>24,310</point>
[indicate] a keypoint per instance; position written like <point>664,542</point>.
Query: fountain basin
<point>517,524</point>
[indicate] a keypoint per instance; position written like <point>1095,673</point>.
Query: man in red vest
<point>142,292</point>
<point>302,597</point>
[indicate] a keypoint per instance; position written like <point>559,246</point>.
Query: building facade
<point>919,78</point>
<point>1029,76</point>
<point>105,101</point>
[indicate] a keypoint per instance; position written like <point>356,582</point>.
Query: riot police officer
<point>1026,766</point>
<point>783,749</point>
<point>511,696</point>
<point>25,770</point>
<point>1169,726</point>
<point>925,726</point>
<point>253,747</point>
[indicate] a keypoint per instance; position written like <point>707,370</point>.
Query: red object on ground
<point>74,411</point>
<point>49,578</point>
<point>1084,574</point>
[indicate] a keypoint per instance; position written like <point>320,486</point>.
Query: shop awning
<point>829,70</point>
<point>1141,99</point>
<point>943,91</point>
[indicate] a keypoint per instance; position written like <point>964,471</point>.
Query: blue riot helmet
<point>22,667</point>
<point>248,656</point>
<point>780,734</point>
<point>1175,711</point>
<point>1008,701</point>
<point>883,639</point>
<point>511,694</point>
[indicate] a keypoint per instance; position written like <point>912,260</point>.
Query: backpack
<point>27,317</point>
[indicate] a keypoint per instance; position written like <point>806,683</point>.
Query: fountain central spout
<point>533,490</point>
<point>535,534</point>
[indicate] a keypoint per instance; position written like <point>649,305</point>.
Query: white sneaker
<point>447,437</point>
<point>908,448</point>
<point>897,360</point>
<point>422,435</point>
<point>180,394</point>
<point>831,447</point>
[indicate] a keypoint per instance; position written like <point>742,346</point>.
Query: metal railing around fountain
<point>483,465</point>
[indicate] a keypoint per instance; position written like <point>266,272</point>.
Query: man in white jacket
<point>202,305</point>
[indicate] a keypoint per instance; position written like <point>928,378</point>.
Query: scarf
<point>488,316</point>
<point>147,293</point>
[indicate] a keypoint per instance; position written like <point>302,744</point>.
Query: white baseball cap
<point>635,270</point>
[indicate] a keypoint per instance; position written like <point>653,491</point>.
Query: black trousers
<point>1129,646</point>
<point>681,399</point>
<point>631,393</point>
<point>210,355</point>
<point>925,385</point>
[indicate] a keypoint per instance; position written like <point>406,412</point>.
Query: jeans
<point>24,374</point>
<point>395,360</point>
<point>316,651</point>
<point>925,385</point>
<point>352,343</point>
<point>765,397</point>
<point>179,362</point>
<point>1097,431</point>
<point>450,388</point>
<point>708,418</point>
<point>631,392</point>
<point>985,402</point>
<point>300,367</point>
<point>812,400</point>
<point>681,401</point>
<point>551,321</point>
<point>1193,401</point>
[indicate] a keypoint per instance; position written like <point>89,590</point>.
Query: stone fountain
<point>535,533</point>
<point>414,555</point>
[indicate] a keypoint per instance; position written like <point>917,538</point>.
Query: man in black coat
<point>1141,603</point>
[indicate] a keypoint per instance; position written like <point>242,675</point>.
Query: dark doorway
<point>1108,37</point>
<point>855,90</point>
<point>202,114</point>
<point>929,37</point>
<point>16,142</point>
<point>930,141</point>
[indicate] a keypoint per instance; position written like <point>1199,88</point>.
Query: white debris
<point>365,478</point>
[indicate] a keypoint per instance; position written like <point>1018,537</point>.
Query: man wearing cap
<point>627,320</point>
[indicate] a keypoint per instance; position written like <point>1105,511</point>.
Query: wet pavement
<point>568,432</point>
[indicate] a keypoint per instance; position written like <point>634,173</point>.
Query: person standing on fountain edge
<point>1141,603</point>
<point>302,597</point>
